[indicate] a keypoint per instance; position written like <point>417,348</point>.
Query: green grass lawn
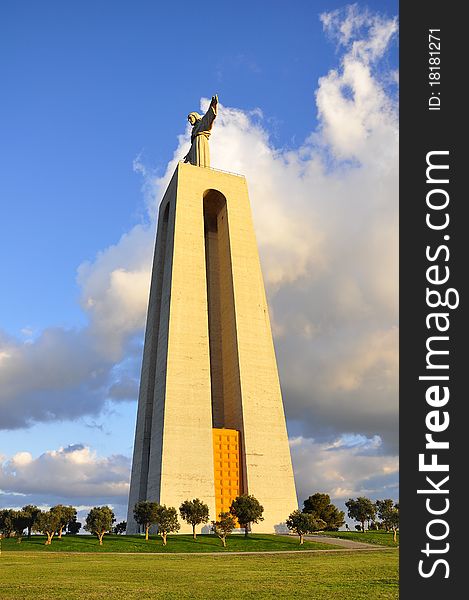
<point>329,576</point>
<point>176,543</point>
<point>380,538</point>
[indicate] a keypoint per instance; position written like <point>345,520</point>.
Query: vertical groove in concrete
<point>224,367</point>
<point>211,206</point>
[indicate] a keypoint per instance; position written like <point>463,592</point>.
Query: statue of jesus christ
<point>199,153</point>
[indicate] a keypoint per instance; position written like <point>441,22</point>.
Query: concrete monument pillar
<point>210,421</point>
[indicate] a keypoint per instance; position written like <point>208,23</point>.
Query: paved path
<point>350,544</point>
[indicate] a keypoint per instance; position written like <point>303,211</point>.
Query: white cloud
<point>64,374</point>
<point>114,290</point>
<point>348,467</point>
<point>58,376</point>
<point>68,474</point>
<point>366,35</point>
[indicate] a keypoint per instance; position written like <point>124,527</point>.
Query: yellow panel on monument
<point>209,360</point>
<point>227,465</point>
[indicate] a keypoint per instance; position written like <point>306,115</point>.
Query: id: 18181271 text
<point>434,74</point>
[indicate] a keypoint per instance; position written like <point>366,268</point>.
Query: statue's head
<point>193,117</point>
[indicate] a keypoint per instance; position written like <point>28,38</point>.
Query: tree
<point>99,520</point>
<point>395,520</point>
<point>167,521</point>
<point>247,510</point>
<point>65,514</point>
<point>319,505</point>
<point>224,526</point>
<point>20,522</point>
<point>302,523</point>
<point>362,509</point>
<point>73,526</point>
<point>120,527</point>
<point>32,511</point>
<point>194,512</point>
<point>146,514</point>
<point>384,508</point>
<point>6,522</point>
<point>388,512</point>
<point>47,522</point>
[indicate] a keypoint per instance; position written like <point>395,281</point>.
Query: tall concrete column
<point>209,360</point>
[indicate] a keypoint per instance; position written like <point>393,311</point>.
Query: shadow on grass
<point>176,543</point>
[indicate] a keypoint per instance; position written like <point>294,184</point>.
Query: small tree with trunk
<point>361,509</point>
<point>194,512</point>
<point>120,527</point>
<point>6,522</point>
<point>224,526</point>
<point>32,511</point>
<point>20,522</point>
<point>146,514</point>
<point>388,512</point>
<point>302,523</point>
<point>99,521</point>
<point>319,505</point>
<point>247,509</point>
<point>167,521</point>
<point>47,522</point>
<point>65,514</point>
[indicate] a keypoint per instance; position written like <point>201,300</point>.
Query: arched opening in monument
<point>224,367</point>
<point>224,364</point>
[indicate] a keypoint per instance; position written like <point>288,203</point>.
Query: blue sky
<point>89,89</point>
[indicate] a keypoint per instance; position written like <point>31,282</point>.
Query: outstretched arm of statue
<point>207,120</point>
<point>214,103</point>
